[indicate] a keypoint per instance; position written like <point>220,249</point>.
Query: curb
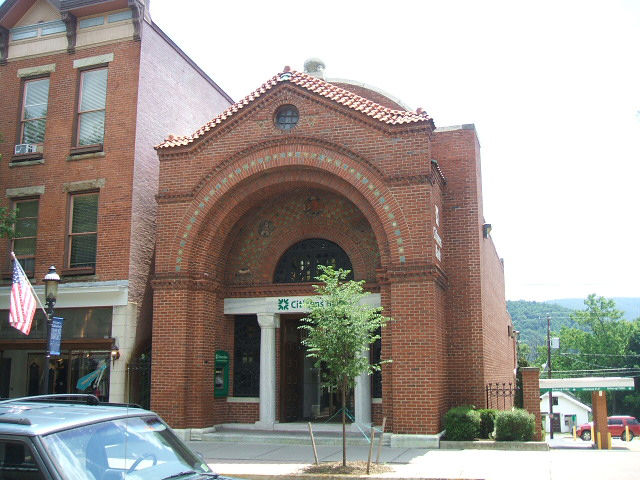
<point>493,445</point>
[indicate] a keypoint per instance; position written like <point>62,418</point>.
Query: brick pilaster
<point>531,397</point>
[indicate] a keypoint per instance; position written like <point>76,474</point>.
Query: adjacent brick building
<point>87,88</point>
<point>306,171</point>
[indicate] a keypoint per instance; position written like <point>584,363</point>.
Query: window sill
<point>8,274</point>
<point>84,156</point>
<point>84,149</point>
<point>72,272</point>
<point>29,158</point>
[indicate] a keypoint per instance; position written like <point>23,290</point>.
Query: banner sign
<point>56,336</point>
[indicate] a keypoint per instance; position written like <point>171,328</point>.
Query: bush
<point>516,426</point>
<point>487,422</point>
<point>462,423</point>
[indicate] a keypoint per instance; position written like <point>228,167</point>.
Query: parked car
<point>616,426</point>
<point>77,437</point>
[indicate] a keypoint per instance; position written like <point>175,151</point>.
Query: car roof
<point>41,416</point>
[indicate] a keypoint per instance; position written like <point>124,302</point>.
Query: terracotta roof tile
<point>315,85</point>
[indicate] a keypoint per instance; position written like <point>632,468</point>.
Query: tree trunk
<point>344,422</point>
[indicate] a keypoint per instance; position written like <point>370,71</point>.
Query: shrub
<point>516,425</point>
<point>487,422</point>
<point>462,423</point>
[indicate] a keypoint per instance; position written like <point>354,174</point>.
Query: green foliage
<point>340,330</point>
<point>602,344</point>
<point>530,319</point>
<point>487,422</point>
<point>462,423</point>
<point>7,220</point>
<point>516,426</point>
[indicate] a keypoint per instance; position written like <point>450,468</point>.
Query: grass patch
<point>352,468</point>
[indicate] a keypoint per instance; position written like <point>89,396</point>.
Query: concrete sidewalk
<point>262,461</point>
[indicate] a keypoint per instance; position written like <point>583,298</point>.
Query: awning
<point>586,384</point>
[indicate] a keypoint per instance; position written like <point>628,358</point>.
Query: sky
<point>553,88</point>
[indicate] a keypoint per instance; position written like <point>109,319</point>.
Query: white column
<point>362,397</point>
<point>268,323</point>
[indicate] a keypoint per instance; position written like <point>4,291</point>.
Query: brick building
<point>306,171</point>
<point>87,89</point>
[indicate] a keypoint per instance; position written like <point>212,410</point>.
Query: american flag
<point>23,302</point>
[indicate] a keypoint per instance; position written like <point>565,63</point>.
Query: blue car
<point>76,437</point>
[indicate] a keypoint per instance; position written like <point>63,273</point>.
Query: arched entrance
<point>301,392</point>
<point>225,256</point>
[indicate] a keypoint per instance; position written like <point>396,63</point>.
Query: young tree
<point>340,329</point>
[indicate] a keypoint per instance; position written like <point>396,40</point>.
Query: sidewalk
<point>566,460</point>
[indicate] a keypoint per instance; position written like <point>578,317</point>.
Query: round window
<point>286,117</point>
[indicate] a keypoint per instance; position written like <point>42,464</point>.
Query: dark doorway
<point>291,395</point>
<point>5,377</point>
<point>303,398</point>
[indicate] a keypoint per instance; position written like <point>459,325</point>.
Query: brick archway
<point>232,192</point>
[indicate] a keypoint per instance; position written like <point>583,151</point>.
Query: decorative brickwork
<point>402,200</point>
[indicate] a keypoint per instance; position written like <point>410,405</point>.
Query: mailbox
<point>221,377</point>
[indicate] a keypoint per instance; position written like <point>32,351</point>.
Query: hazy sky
<point>553,88</point>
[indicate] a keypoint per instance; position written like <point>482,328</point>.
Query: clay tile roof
<point>315,85</point>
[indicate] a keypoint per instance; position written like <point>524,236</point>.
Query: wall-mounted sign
<point>248,306</point>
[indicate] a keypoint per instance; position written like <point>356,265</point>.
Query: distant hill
<point>629,305</point>
<point>530,319</point>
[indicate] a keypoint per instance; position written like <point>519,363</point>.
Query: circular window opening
<point>286,117</point>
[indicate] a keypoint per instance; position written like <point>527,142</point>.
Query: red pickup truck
<point>616,426</point>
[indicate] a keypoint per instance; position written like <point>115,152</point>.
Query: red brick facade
<point>142,99</point>
<point>234,197</point>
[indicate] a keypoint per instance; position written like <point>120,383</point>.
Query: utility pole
<point>549,376</point>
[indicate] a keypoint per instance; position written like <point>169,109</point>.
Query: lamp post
<point>549,375</point>
<point>51,281</point>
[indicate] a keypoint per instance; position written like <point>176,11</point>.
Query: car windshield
<point>133,448</point>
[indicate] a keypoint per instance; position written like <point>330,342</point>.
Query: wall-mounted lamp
<point>115,353</point>
<point>486,229</point>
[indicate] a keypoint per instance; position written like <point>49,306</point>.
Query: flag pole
<point>13,255</point>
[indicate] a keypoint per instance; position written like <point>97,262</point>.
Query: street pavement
<point>566,459</point>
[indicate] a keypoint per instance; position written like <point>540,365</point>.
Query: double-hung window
<point>34,111</point>
<point>82,238</point>
<point>91,107</point>
<point>23,243</point>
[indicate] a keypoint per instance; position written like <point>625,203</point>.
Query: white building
<point>568,408</point>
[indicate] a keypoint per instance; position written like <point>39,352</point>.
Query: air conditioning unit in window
<point>23,148</point>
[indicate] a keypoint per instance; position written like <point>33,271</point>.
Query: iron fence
<point>501,396</point>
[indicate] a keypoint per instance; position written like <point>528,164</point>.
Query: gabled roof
<point>544,400</point>
<point>319,87</point>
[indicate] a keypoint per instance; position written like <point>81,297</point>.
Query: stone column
<point>362,397</point>
<point>268,323</point>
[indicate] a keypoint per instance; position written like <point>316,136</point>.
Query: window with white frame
<point>91,107</point>
<point>34,110</point>
<point>82,238</point>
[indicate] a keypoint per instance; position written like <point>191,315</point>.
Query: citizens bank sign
<point>248,306</point>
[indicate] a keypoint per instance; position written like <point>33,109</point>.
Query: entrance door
<point>302,395</point>
<point>291,396</point>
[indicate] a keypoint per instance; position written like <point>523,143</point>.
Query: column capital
<point>268,320</point>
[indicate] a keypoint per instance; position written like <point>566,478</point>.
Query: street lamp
<point>51,281</point>
<point>549,373</point>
